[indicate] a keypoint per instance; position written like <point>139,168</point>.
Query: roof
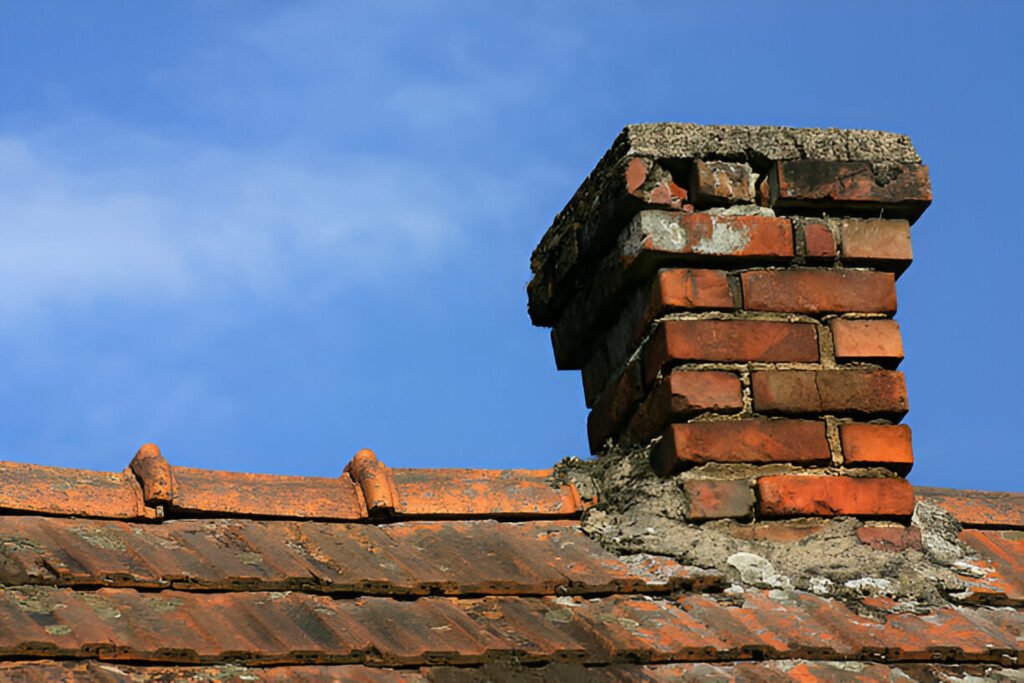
<point>422,574</point>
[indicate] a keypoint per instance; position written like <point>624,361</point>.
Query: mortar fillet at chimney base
<point>727,293</point>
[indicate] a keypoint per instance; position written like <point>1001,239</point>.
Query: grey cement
<point>638,512</point>
<point>765,143</point>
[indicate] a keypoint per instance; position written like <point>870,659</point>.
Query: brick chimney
<point>728,294</point>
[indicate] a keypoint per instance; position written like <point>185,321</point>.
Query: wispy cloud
<point>342,168</point>
<point>207,221</point>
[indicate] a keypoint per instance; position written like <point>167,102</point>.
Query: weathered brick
<point>614,406</point>
<point>794,495</point>
<point>819,242</point>
<point>886,445</point>
<point>588,226</point>
<point>892,539</point>
<point>594,307</point>
<point>671,289</point>
<point>682,394</point>
<point>552,262</point>
<point>654,236</point>
<point>874,341</point>
<point>840,392</point>
<point>722,182</point>
<point>788,531</point>
<point>718,499</point>
<point>819,291</point>
<point>764,192</point>
<point>689,289</point>
<point>746,441</point>
<point>649,182</point>
<point>898,190</point>
<point>875,242</point>
<point>596,374</point>
<point>729,341</point>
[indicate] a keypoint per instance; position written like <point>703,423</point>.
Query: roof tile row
<point>978,509</point>
<point>277,628</point>
<point>458,557</point>
<point>153,489</point>
<point>781,671</point>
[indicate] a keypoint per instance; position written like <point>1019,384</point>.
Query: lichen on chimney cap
<point>761,143</point>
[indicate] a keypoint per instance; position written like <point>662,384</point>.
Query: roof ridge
<point>150,488</point>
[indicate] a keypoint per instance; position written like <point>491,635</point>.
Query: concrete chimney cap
<point>764,143</point>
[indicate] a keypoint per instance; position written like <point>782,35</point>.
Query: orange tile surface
<point>287,628</point>
<point>61,491</point>
<point>781,671</point>
<point>482,493</point>
<point>978,508</point>
<point>412,575</point>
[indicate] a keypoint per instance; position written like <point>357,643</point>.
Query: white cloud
<point>204,221</point>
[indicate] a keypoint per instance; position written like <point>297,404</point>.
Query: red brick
<point>898,190</point>
<point>814,392</point>
<point>596,375</point>
<point>730,341</point>
<point>885,445</point>
<point>651,184</point>
<point>718,499</point>
<point>789,531</point>
<point>893,539</point>
<point>747,441</point>
<point>672,289</point>
<point>686,288</point>
<point>875,242</point>
<point>819,291</point>
<point>588,227</point>
<point>875,341</point>
<point>682,394</point>
<point>764,192</point>
<point>654,235</point>
<point>586,319</point>
<point>819,241</point>
<point>722,182</point>
<point>614,406</point>
<point>794,495</point>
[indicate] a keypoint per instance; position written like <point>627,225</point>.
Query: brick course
<point>873,340</point>
<point>740,441</point>
<point>814,496</point>
<point>819,291</point>
<point>901,190</point>
<point>871,444</point>
<point>816,392</point>
<point>718,499</point>
<point>654,236</point>
<point>730,341</point>
<point>880,243</point>
<point>722,182</point>
<point>684,393</point>
<point>819,242</point>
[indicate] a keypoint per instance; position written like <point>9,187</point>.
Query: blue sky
<point>265,235</point>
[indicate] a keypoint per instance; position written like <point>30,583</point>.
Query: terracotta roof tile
<point>1002,554</point>
<point>782,671</point>
<point>458,492</point>
<point>447,574</point>
<point>978,508</point>
<point>265,495</point>
<point>151,488</point>
<point>62,491</point>
<point>294,628</point>
<point>473,557</point>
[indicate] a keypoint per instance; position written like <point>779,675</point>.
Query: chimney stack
<point>728,293</point>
